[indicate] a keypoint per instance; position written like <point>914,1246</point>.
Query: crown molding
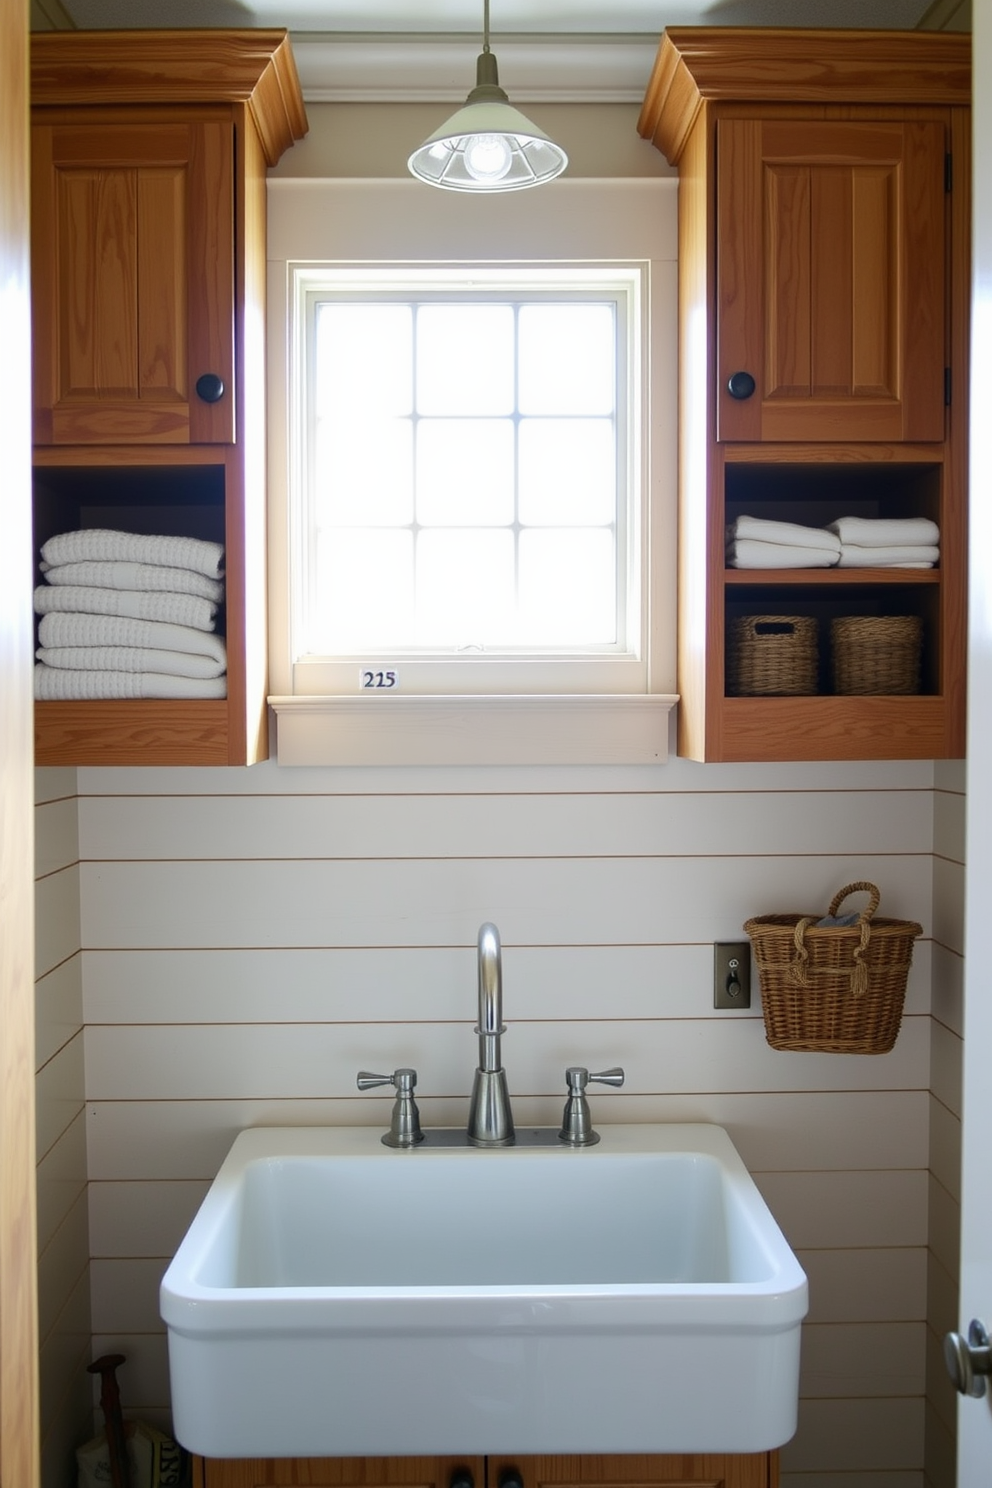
<point>350,68</point>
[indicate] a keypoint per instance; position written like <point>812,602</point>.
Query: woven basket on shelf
<point>876,653</point>
<point>772,654</point>
<point>833,989</point>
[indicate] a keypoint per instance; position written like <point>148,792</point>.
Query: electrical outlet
<point>732,974</point>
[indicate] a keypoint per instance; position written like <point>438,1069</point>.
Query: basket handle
<point>799,969</point>
<point>863,886</point>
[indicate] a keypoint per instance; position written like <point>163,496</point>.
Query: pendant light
<point>488,145</point>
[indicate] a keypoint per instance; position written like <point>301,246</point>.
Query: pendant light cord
<point>485,25</point>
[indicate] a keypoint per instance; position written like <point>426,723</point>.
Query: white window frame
<point>621,669</point>
<point>625,228</point>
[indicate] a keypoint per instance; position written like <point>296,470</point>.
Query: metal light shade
<point>488,145</point>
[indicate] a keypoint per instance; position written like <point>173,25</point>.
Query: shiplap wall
<point>945,1115</point>
<point>63,1238</point>
<point>252,938</point>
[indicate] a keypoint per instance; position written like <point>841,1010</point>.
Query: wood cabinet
<point>757,1470</point>
<point>824,301</point>
<point>149,154</point>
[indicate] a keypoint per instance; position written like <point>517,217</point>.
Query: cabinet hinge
<point>947,387</point>
<point>948,171</point>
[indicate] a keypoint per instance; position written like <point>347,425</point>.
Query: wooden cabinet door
<point>340,1472</point>
<point>133,281</point>
<point>830,279</point>
<point>722,1470</point>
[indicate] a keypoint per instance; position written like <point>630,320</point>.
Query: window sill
<point>605,729</point>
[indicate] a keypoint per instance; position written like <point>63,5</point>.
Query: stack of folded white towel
<point>908,542</point>
<point>850,542</point>
<point>129,616</point>
<point>753,542</point>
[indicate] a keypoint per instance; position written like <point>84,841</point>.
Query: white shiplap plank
<point>61,1179</point>
<point>842,1436</point>
<point>172,1140</point>
<point>415,984</point>
<point>945,1066</point>
<point>143,1218</point>
<point>533,902</point>
<point>883,1284</point>
<point>866,1359</point>
<point>56,837</point>
<point>59,1095</point>
<point>144,1379</point>
<point>945,1147</point>
<point>948,903</point>
<point>494,826</point>
<point>678,775</point>
<point>948,825</point>
<point>315,1061</point>
<point>58,1008</point>
<point>848,1209</point>
<point>61,1265</point>
<point>124,1294</point>
<point>54,783</point>
<point>57,919</point>
<point>948,988</point>
<point>945,1227</point>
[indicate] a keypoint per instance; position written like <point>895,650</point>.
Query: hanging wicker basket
<point>833,989</point>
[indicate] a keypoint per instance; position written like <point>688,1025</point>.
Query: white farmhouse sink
<point>335,1297</point>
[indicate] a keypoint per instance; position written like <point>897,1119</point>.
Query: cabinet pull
<point>210,387</point>
<point>461,1477</point>
<point>740,385</point>
<point>511,1477</point>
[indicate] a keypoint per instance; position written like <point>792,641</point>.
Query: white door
<point>975,1415</point>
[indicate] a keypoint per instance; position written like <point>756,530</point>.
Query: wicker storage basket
<point>772,654</point>
<point>833,989</point>
<point>876,653</point>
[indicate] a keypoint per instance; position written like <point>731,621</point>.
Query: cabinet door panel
<point>830,270</point>
<point>133,281</point>
<point>689,1470</point>
<point>336,1472</point>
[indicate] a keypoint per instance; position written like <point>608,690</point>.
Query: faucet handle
<point>404,1126</point>
<point>577,1078</point>
<point>576,1123</point>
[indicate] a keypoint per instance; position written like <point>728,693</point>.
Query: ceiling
<point>553,50</point>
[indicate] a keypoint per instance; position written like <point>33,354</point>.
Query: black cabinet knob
<point>511,1477</point>
<point>740,385</point>
<point>210,387</point>
<point>461,1477</point>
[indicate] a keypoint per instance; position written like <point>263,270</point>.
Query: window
<point>468,489</point>
<point>471,474</point>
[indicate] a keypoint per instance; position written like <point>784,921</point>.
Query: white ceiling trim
<point>414,69</point>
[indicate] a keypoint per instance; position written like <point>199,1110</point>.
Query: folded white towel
<point>747,554</point>
<point>101,544</point>
<point>52,684</point>
<point>128,659</point>
<point>887,532</point>
<point>173,609</point>
<point>151,578</point>
<point>790,534</point>
<point>113,630</point>
<point>913,555</point>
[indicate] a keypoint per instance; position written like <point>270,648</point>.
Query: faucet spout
<point>490,1122</point>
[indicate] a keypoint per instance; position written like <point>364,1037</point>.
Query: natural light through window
<point>468,482</point>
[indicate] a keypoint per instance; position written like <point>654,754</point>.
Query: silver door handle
<point>969,1361</point>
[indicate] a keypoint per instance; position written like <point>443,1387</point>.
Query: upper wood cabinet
<point>133,276</point>
<point>830,275</point>
<point>150,152</point>
<point>824,299</point>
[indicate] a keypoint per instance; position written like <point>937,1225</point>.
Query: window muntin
<point>468,474</point>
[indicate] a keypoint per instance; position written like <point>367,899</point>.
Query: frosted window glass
<point>567,359</point>
<point>364,358</point>
<point>465,588</point>
<point>365,591</point>
<point>465,359</point>
<point>567,594</point>
<point>567,471</point>
<point>465,471</point>
<point>365,472</point>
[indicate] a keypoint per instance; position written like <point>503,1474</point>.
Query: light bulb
<point>488,157</point>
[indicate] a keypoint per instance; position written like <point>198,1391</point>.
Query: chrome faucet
<point>490,1123</point>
